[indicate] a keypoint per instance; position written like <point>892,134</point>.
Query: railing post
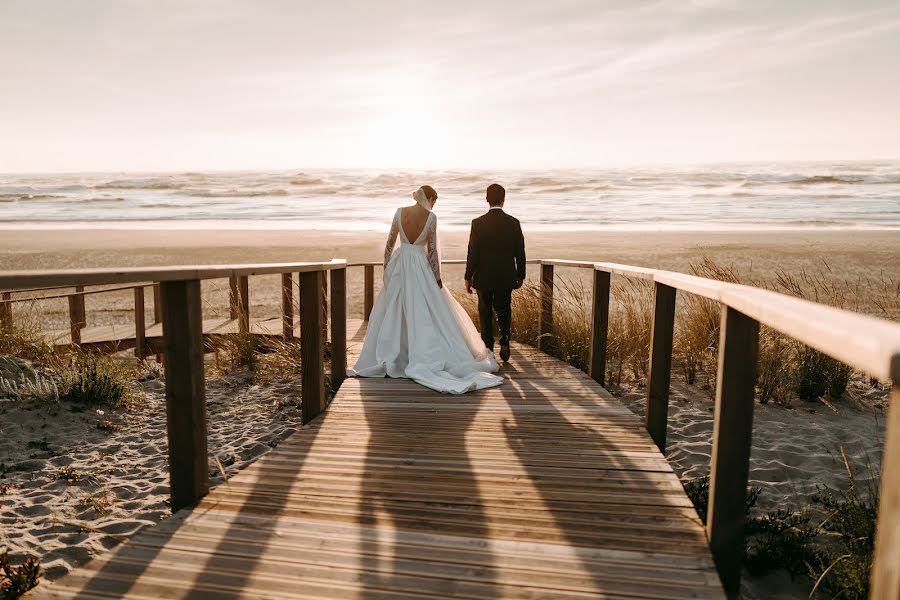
<point>76,315</point>
<point>338,327</point>
<point>660,363</point>
<point>140,326</point>
<point>312,346</point>
<point>300,299</point>
<point>157,304</point>
<point>325,306</point>
<point>6,320</point>
<point>599,327</point>
<point>369,295</point>
<point>732,434</point>
<point>244,310</point>
<point>287,307</point>
<point>234,302</point>
<point>546,341</point>
<point>886,568</point>
<point>185,391</point>
<point>82,313</point>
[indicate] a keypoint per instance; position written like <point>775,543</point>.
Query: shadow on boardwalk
<point>420,491</point>
<point>611,496</point>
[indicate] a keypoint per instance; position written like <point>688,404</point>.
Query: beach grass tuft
<point>88,380</point>
<point>15,581</point>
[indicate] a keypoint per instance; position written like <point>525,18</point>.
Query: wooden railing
<point>183,346</point>
<point>868,344</point>
<point>865,343</point>
<point>77,313</point>
<point>239,307</point>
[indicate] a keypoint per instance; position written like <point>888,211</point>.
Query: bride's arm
<point>391,241</point>
<point>434,252</point>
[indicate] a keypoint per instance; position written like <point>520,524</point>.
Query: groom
<point>495,266</point>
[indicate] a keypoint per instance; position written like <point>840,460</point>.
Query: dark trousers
<point>488,302</point>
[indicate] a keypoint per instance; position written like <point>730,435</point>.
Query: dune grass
<point>788,370</point>
<point>16,580</point>
<point>83,379</point>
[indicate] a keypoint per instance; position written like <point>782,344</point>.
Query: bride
<point>417,329</point>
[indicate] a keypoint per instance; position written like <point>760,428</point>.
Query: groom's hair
<point>496,194</point>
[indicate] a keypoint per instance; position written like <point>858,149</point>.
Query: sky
<point>122,85</point>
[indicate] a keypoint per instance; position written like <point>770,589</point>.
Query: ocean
<point>845,195</point>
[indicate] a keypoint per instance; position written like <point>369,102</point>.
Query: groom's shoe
<point>504,350</point>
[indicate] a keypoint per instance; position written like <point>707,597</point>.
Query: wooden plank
<point>545,326</point>
<point>558,262</point>
<point>185,392</point>
<point>369,292</point>
<point>287,307</point>
<point>599,327</point>
<point>886,567</point>
<point>662,330</point>
<point>312,346</point>
<point>732,434</point>
<point>338,327</point>
<point>140,326</point>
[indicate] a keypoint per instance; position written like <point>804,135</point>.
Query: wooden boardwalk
<point>543,487</point>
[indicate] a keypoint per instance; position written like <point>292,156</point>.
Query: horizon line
<point>654,164</point>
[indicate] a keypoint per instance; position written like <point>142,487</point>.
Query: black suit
<point>496,261</point>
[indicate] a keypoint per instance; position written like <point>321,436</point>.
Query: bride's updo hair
<point>429,191</point>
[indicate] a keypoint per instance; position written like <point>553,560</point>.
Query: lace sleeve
<point>434,250</point>
<point>392,240</point>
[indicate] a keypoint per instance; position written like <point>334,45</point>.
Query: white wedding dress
<point>418,330</point>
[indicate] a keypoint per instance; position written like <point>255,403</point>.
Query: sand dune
<point>72,490</point>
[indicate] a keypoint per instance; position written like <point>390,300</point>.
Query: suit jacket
<point>496,256</point>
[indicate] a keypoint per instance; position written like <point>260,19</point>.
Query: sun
<point>408,132</point>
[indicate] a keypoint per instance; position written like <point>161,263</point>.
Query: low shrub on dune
<point>833,553</point>
<point>26,341</point>
<point>89,380</point>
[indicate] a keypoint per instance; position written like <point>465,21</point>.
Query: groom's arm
<point>471,255</point>
<point>520,253</point>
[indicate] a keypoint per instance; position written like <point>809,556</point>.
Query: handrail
<point>449,261</point>
<point>70,294</point>
<point>69,277</point>
<point>866,343</point>
<point>36,289</point>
